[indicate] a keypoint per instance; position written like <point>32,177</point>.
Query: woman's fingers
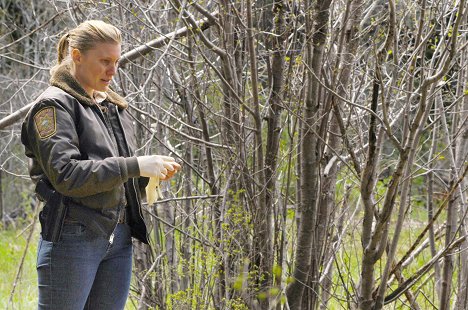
<point>171,166</point>
<point>167,158</point>
<point>171,161</point>
<point>169,175</point>
<point>176,166</point>
<point>168,166</point>
<point>157,166</point>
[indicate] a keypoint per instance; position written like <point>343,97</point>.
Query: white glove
<point>153,191</point>
<point>156,165</point>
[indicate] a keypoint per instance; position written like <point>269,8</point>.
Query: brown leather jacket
<point>70,143</point>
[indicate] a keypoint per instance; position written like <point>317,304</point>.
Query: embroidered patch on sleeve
<point>46,123</point>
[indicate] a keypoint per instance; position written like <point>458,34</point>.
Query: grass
<point>13,244</point>
<point>350,263</point>
<point>12,247</point>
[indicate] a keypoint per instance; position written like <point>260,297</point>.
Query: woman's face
<point>95,68</point>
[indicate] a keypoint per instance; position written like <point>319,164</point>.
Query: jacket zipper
<point>133,182</point>
<point>111,237</point>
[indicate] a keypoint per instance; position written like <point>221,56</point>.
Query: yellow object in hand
<point>153,191</point>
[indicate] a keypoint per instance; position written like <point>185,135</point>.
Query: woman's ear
<point>76,55</point>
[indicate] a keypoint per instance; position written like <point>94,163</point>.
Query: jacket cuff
<point>133,170</point>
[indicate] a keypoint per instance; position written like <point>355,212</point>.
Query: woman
<point>80,138</point>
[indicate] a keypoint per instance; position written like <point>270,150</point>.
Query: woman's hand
<point>162,167</point>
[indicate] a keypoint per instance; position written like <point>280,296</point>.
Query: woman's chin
<point>103,88</point>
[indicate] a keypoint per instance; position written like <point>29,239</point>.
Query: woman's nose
<point>112,70</point>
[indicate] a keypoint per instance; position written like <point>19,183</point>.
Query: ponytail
<point>62,48</point>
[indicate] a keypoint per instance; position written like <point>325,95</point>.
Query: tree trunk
<point>264,260</point>
<point>2,210</point>
<point>430,207</point>
<point>348,44</point>
<point>305,260</point>
<point>447,269</point>
<point>461,153</point>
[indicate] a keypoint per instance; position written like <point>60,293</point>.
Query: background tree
<point>324,145</point>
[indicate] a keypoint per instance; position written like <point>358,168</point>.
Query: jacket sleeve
<point>53,140</point>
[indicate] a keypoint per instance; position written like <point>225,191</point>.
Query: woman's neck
<point>75,73</point>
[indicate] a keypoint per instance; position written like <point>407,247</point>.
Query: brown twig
<point>28,241</point>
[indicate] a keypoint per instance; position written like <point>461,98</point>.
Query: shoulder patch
<point>46,123</point>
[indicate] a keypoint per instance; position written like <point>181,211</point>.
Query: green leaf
<point>277,270</point>
<point>238,284</point>
<point>274,291</point>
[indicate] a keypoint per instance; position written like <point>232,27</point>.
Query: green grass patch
<point>12,249</point>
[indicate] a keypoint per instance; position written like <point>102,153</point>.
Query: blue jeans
<point>79,273</point>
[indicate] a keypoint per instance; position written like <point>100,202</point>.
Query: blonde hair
<point>84,37</point>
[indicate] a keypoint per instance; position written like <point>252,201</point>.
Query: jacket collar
<point>63,79</point>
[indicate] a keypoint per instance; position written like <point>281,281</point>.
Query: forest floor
<point>12,249</point>
<point>13,246</point>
